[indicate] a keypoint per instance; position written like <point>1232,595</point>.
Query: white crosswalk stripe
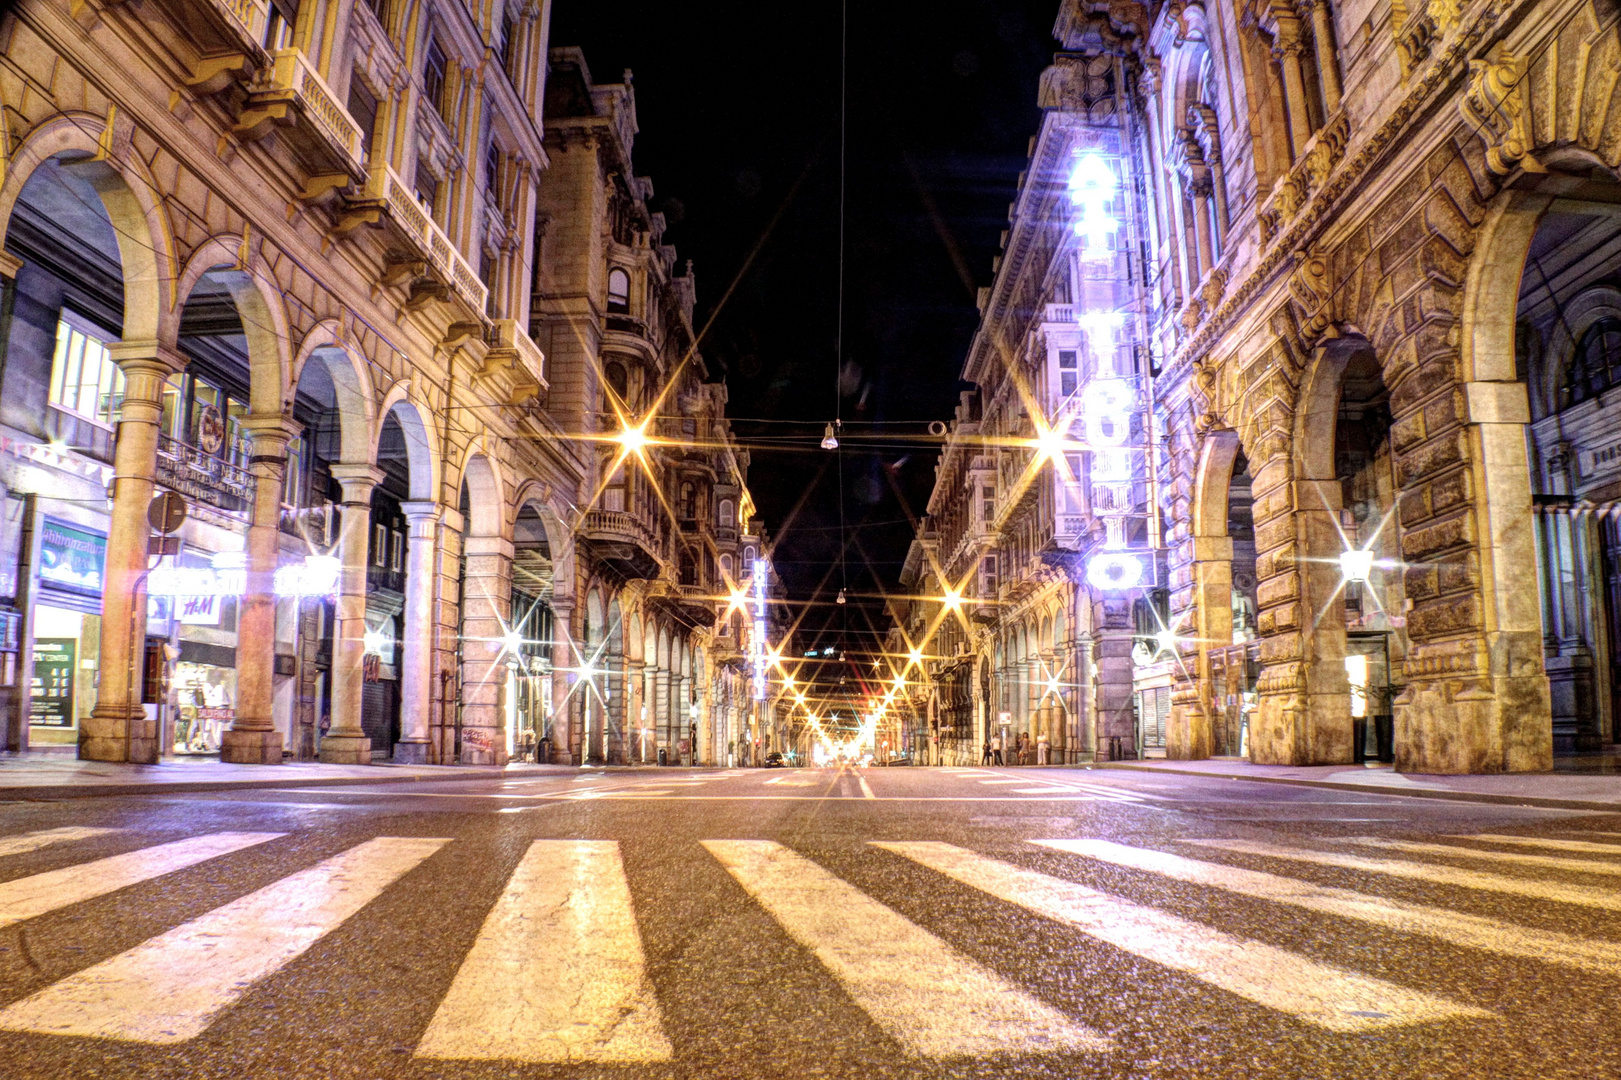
<point>1545,842</point>
<point>556,974</point>
<point>28,897</point>
<point>1318,993</point>
<point>33,841</point>
<point>1431,873</point>
<point>930,998</point>
<point>1455,928</point>
<point>1517,858</point>
<point>169,988</point>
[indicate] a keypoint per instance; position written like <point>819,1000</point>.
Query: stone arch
<point>487,502</point>
<point>259,305</point>
<point>421,442</point>
<point>133,203</point>
<point>351,383</point>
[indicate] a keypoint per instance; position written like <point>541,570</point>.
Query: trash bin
<point>664,755</point>
<point>1359,739</point>
<point>543,752</point>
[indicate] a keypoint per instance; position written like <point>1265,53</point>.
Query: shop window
<point>433,77</point>
<point>618,291</point>
<point>66,646</point>
<point>84,379</point>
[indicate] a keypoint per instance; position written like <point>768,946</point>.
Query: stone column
<point>1112,686</point>
<point>1322,33</point>
<point>486,607</point>
<point>564,751</point>
<point>252,739</point>
<point>661,686</point>
<point>1194,738</point>
<point>117,729</point>
<point>1287,51</point>
<point>417,668</point>
<point>345,743</point>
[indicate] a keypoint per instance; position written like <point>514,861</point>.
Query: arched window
<point>618,291</point>
<point>727,517</point>
<point>726,566</point>
<point>1596,365</point>
<point>618,378</point>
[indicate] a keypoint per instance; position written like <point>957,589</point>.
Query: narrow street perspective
<point>1116,572</point>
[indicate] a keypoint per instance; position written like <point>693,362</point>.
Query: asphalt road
<point>648,923</point>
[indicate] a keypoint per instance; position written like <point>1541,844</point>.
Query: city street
<point>842,923</point>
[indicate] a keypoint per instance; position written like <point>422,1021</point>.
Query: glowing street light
<point>952,599</point>
<point>513,641</point>
<point>830,441</point>
<point>633,439</point>
<point>1356,565</point>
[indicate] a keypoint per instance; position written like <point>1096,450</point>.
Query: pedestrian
<point>985,753</point>
<point>996,749</point>
<point>1024,748</point>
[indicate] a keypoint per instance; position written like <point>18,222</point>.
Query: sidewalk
<point>58,776</point>
<point>1580,782</point>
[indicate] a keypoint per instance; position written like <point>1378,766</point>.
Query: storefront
<point>64,631</point>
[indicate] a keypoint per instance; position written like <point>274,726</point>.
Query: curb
<point>1334,785</point>
<point>53,792</point>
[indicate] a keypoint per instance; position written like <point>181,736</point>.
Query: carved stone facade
<point>1364,231</point>
<point>297,242</point>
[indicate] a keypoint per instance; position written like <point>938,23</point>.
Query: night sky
<point>738,105</point>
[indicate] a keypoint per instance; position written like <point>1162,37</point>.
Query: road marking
<point>1547,862</point>
<point>866,792</point>
<point>24,898</point>
<point>171,987</point>
<point>33,841</point>
<point>1456,928</point>
<point>929,997</point>
<point>1113,793</point>
<point>556,974</point>
<point>1329,997</point>
<point>1430,873</point>
<point>1004,780</point>
<point>1542,842</point>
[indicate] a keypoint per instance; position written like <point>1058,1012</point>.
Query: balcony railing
<point>292,71</point>
<point>246,17</point>
<point>387,193</point>
<point>203,477</point>
<point>79,434</point>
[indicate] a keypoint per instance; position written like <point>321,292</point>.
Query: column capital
<point>146,357</point>
<point>420,510</point>
<point>270,433</point>
<point>358,481</point>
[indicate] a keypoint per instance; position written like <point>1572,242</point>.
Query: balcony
<point>623,542</point>
<point>514,368</point>
<point>204,478</point>
<point>78,433</point>
<point>294,100</point>
<point>226,34</point>
<point>423,255</point>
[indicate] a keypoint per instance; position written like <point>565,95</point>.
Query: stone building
<point>280,258</point>
<point>1373,270</point>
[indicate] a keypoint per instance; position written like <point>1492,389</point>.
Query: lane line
<point>556,974</point>
<point>1516,858</point>
<point>1550,844</point>
<point>24,898</point>
<point>929,997</point>
<point>1297,986</point>
<point>1455,928</point>
<point>169,988</point>
<point>866,792</point>
<point>33,841</point>
<point>1430,873</point>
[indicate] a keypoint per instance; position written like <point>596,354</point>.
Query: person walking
<point>1024,748</point>
<point>985,753</point>
<point>996,749</point>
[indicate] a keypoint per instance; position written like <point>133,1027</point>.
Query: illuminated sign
<point>762,569</point>
<point>227,575</point>
<point>1092,187</point>
<point>71,558</point>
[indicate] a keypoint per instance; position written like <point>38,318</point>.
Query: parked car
<point>774,760</point>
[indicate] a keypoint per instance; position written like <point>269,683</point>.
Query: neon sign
<point>762,569</point>
<point>1091,188</point>
<point>227,575</point>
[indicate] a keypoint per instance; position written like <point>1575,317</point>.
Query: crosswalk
<point>557,971</point>
<point>1054,786</point>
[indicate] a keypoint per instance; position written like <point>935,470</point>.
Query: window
<point>492,174</point>
<point>295,481</point>
<point>689,569</point>
<point>427,186</point>
<point>987,577</point>
<point>363,107</point>
<point>1596,365</point>
<point>84,379</point>
<point>727,517</point>
<point>279,25</point>
<point>379,545</point>
<point>1068,372</point>
<point>396,556</point>
<point>726,566</point>
<point>618,379</point>
<point>987,503</point>
<point>613,496</point>
<point>509,43</point>
<point>433,76</point>
<point>689,501</point>
<point>618,291</point>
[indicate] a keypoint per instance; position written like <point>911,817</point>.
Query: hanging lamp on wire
<point>841,599</point>
<point>830,441</point>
